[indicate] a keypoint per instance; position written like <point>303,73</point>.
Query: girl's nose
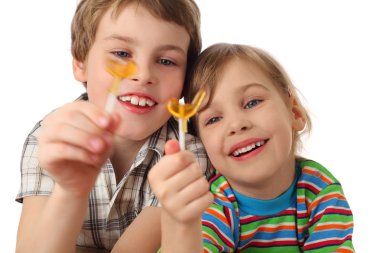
<point>238,124</point>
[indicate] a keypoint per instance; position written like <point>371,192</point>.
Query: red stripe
<point>216,230</point>
<point>327,243</point>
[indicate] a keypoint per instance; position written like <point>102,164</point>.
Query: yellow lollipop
<point>119,70</point>
<point>183,112</point>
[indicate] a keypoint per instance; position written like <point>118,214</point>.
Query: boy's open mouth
<point>247,149</point>
<point>137,101</point>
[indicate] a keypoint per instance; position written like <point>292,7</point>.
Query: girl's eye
<point>213,120</point>
<point>252,103</point>
<point>165,62</point>
<point>121,54</point>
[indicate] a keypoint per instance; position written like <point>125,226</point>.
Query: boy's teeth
<point>135,100</point>
<point>247,148</point>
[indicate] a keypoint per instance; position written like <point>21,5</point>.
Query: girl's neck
<point>273,186</point>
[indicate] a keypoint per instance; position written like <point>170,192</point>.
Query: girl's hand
<point>74,143</point>
<point>180,185</point>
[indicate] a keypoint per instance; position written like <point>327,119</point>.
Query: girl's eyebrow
<point>253,85</point>
<point>129,40</point>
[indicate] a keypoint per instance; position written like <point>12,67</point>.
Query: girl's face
<point>248,130</point>
<point>158,48</point>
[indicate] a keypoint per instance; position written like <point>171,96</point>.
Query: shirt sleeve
<point>331,222</point>
<point>218,229</point>
<point>34,180</point>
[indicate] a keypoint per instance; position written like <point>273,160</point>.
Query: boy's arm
<point>72,147</point>
<point>182,190</point>
<point>50,224</point>
<point>330,222</point>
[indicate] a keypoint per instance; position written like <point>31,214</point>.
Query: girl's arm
<point>143,235</point>
<point>330,223</point>
<point>182,190</point>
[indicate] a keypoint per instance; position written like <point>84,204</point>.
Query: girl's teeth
<point>248,148</point>
<point>135,100</point>
<point>150,102</point>
<point>142,102</point>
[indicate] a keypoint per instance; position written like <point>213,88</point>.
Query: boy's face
<point>158,48</point>
<point>247,129</point>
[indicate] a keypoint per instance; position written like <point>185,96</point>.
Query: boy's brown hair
<point>88,14</point>
<point>210,65</point>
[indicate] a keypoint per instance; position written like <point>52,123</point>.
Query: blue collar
<point>252,206</point>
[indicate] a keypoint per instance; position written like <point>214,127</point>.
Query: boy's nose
<point>144,74</point>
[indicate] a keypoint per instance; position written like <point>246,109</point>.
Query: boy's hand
<point>74,143</point>
<point>180,185</point>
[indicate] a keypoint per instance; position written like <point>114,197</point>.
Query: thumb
<point>171,147</point>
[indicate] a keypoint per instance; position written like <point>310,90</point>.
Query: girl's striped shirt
<point>313,215</point>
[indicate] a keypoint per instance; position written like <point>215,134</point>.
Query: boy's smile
<point>159,49</point>
<point>247,130</point>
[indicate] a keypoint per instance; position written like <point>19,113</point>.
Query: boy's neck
<point>123,157</point>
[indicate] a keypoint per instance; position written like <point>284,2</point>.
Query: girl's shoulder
<point>311,170</point>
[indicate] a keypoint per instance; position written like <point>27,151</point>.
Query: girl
<point>266,197</point>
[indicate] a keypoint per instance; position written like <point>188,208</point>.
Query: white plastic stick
<point>111,99</point>
<point>181,135</point>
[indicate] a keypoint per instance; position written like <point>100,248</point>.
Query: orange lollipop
<point>119,70</point>
<point>183,112</point>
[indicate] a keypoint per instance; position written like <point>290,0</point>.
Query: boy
<point>85,181</point>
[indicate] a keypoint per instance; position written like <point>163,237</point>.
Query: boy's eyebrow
<point>133,41</point>
<point>121,38</point>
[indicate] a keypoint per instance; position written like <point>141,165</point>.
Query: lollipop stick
<point>181,134</point>
<point>111,99</point>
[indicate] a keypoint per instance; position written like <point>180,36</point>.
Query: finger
<point>194,190</point>
<point>194,209</point>
<point>197,207</point>
<point>56,154</point>
<point>171,147</point>
<point>170,165</point>
<point>184,177</point>
<point>83,115</point>
<point>66,134</point>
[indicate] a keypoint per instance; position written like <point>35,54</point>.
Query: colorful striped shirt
<point>313,215</point>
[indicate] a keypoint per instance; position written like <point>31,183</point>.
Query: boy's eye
<point>165,62</point>
<point>213,120</point>
<point>252,103</point>
<point>121,54</point>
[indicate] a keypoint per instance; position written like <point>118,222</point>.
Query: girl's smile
<point>246,149</point>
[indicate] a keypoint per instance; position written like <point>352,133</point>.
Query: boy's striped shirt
<point>317,219</point>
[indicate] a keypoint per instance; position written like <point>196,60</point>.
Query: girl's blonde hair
<point>88,14</point>
<point>211,62</point>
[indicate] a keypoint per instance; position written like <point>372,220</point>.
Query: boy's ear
<point>79,70</point>
<point>298,115</point>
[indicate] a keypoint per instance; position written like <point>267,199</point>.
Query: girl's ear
<point>298,115</point>
<point>79,70</point>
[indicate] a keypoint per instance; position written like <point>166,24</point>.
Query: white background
<point>331,50</point>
